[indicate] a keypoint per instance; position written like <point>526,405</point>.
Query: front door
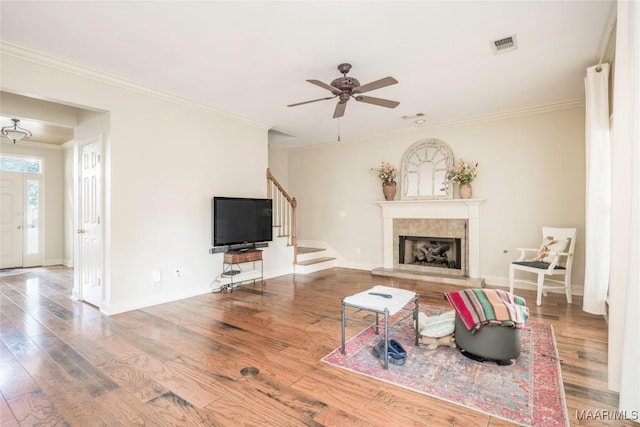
<point>11,211</point>
<point>90,229</point>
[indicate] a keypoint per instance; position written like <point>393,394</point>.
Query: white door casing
<point>89,227</point>
<point>11,214</point>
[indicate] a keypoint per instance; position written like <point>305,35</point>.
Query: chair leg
<point>540,286</point>
<point>512,274</point>
<point>567,283</point>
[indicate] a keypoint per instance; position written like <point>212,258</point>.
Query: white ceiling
<point>252,58</point>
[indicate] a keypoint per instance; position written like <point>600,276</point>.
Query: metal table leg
<point>378,312</point>
<point>343,326</point>
<point>386,338</point>
<point>415,321</point>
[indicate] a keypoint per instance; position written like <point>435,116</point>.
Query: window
<point>20,164</point>
<point>33,217</point>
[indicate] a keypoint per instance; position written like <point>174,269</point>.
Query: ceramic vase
<point>465,191</point>
<point>389,191</point>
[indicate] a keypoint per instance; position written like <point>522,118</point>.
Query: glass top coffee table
<point>381,300</point>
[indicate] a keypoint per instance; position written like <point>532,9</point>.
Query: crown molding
<point>520,112</point>
<point>30,55</point>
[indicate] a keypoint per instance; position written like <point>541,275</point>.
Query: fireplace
<point>431,245</point>
<point>433,219</point>
<point>437,252</point>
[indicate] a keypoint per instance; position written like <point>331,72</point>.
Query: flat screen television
<point>241,221</point>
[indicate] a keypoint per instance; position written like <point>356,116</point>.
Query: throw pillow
<point>549,244</point>
<point>436,326</point>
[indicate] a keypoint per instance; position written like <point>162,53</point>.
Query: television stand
<point>234,276</point>
<point>231,272</point>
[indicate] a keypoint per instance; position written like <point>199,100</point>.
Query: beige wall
<point>279,164</point>
<point>531,173</point>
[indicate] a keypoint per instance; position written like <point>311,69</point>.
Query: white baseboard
<point>503,282</point>
<point>150,300</point>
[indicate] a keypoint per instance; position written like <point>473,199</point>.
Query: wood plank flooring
<point>64,363</point>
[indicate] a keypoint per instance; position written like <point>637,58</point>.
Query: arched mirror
<point>424,170</point>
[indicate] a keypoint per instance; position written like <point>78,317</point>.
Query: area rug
<point>529,392</point>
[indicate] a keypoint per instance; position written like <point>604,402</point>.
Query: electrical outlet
<point>156,278</point>
<point>357,251</point>
<point>178,273</point>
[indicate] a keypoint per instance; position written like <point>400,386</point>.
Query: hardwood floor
<point>64,363</point>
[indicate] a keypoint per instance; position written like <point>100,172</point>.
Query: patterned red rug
<point>529,392</point>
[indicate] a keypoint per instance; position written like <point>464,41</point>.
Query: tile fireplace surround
<point>468,209</point>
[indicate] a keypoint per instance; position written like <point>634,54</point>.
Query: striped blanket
<point>479,307</point>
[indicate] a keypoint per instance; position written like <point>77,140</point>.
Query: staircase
<point>305,259</point>
<point>309,260</point>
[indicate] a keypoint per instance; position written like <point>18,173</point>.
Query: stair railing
<point>284,212</point>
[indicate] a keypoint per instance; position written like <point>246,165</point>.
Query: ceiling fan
<point>345,88</point>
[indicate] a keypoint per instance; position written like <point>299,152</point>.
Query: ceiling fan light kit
<point>15,132</point>
<point>345,88</point>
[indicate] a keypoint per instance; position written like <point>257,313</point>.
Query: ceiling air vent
<point>504,45</point>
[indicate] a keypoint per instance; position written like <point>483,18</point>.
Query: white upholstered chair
<point>551,262</point>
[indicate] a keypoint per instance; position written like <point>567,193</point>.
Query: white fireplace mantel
<point>468,209</point>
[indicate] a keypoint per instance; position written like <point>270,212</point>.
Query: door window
<point>20,164</point>
<point>32,219</point>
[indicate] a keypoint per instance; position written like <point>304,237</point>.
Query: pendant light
<point>15,132</point>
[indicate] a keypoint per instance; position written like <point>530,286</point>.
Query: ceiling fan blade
<point>387,81</point>
<point>313,100</point>
<point>339,111</point>
<point>330,88</point>
<point>378,101</point>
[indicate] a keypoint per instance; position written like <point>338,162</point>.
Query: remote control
<point>381,295</point>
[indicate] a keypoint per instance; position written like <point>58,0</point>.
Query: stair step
<point>307,250</point>
<point>315,260</point>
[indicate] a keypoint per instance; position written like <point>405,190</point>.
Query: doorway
<point>21,211</point>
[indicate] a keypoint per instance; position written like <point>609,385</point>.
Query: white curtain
<point>598,190</point>
<point>624,291</point>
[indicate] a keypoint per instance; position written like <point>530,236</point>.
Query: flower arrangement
<point>387,173</point>
<point>464,173</point>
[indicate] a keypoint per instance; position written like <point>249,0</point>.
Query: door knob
<point>81,231</point>
<point>19,227</point>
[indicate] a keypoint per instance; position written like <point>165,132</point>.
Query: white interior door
<point>11,219</point>
<point>90,229</point>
